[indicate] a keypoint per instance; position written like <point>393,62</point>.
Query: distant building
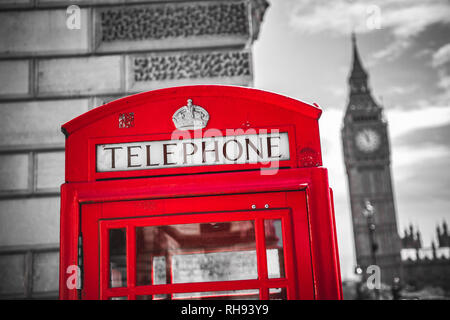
<point>367,155</point>
<point>424,267</point>
<point>59,60</point>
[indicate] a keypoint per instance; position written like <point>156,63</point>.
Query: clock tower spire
<point>360,97</point>
<point>367,160</point>
<point>358,72</point>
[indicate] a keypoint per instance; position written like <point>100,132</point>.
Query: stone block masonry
<point>50,73</point>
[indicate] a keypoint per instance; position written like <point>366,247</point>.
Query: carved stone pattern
<point>191,66</point>
<point>258,10</point>
<point>154,22</point>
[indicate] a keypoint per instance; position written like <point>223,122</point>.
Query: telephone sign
<point>246,148</point>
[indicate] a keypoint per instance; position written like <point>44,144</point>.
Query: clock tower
<point>367,160</point>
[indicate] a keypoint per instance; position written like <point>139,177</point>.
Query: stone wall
<point>51,71</point>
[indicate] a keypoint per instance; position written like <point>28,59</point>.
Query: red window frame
<point>263,283</point>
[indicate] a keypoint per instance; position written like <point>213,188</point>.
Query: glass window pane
<point>277,294</point>
<point>198,252</point>
<point>118,298</point>
<point>118,258</point>
<point>274,248</point>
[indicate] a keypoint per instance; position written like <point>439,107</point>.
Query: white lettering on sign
<point>239,149</point>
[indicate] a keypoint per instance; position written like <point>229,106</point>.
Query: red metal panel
<point>293,291</point>
<point>228,92</point>
<point>104,272</point>
<point>302,243</point>
<point>69,232</point>
<point>197,287</point>
<point>324,244</point>
<point>89,217</point>
<point>261,256</point>
<point>131,261</point>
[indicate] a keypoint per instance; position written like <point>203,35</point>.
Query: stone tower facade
<point>366,148</point>
<point>60,58</point>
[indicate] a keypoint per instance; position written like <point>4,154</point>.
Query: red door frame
<point>262,283</point>
<point>325,282</point>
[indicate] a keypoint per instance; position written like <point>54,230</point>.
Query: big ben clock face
<point>367,140</point>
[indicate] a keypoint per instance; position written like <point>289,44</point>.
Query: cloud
<point>408,18</point>
<point>441,56</point>
<point>337,91</point>
<point>401,90</point>
<point>402,19</point>
<point>391,52</point>
<point>441,62</point>
<point>314,16</point>
<point>431,136</point>
<point>406,157</point>
<point>404,121</point>
<point>421,176</point>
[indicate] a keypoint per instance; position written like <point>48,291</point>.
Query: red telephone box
<point>197,192</point>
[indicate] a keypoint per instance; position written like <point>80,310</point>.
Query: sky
<point>304,51</point>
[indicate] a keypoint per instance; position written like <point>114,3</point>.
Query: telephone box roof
<point>308,110</point>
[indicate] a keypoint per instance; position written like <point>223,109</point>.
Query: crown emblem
<point>190,117</point>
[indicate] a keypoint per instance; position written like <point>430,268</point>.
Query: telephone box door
<point>233,246</point>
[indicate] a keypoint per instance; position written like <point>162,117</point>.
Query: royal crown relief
<point>190,117</point>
